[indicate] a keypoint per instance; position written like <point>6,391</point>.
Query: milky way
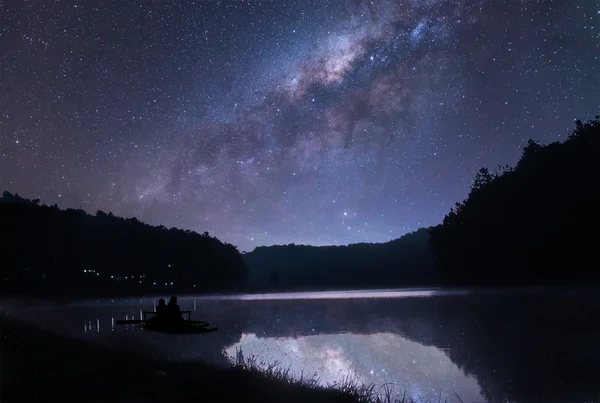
<point>286,121</point>
<point>381,359</point>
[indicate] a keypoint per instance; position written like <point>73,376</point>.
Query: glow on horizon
<point>350,294</point>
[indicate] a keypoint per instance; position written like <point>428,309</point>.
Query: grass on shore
<point>38,365</point>
<point>348,389</point>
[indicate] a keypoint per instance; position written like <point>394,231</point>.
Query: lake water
<point>503,345</point>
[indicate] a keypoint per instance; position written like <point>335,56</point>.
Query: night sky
<point>262,122</point>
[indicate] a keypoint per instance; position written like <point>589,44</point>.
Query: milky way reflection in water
<point>423,372</point>
<point>502,345</point>
<point>381,358</point>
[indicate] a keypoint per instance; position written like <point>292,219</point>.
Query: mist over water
<point>492,345</point>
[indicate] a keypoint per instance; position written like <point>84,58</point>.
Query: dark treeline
<point>402,262</point>
<point>46,249</point>
<point>536,223</point>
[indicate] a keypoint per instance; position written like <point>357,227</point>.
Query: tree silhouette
<point>69,251</point>
<point>274,280</point>
<point>536,223</point>
<point>402,262</point>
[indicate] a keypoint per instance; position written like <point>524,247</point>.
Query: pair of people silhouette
<point>169,313</point>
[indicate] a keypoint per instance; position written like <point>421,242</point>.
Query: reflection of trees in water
<point>82,320</point>
<point>231,317</point>
<point>228,316</point>
<point>535,346</point>
<point>520,347</point>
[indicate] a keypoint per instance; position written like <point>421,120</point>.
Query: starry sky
<point>270,122</point>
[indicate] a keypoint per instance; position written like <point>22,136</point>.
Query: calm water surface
<point>515,345</point>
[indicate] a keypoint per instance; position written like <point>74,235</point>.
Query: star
<point>257,125</point>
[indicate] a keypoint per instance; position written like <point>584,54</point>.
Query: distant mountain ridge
<point>405,261</point>
<point>537,223</point>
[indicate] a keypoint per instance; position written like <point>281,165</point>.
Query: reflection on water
<point>91,326</point>
<point>519,345</point>
<point>379,294</point>
<point>423,372</point>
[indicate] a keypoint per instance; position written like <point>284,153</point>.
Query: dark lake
<point>538,344</point>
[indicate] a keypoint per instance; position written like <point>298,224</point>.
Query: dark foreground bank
<point>40,366</point>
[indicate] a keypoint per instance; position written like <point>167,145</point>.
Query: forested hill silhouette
<point>536,223</point>
<point>49,250</point>
<point>402,262</point>
<point>533,224</point>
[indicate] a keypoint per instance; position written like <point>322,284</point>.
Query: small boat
<point>185,326</point>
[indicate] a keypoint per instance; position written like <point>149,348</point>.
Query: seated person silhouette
<point>161,310</point>
<point>173,311</point>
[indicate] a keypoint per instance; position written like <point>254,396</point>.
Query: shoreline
<point>38,365</point>
<point>44,298</point>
